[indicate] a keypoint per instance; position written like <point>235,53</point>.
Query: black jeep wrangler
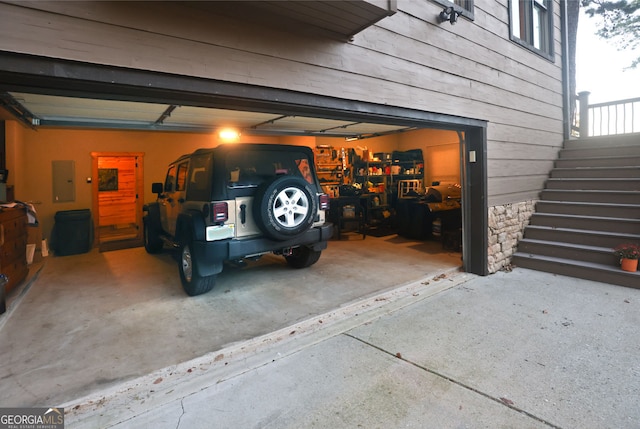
<point>236,202</point>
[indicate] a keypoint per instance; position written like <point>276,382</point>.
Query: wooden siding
<point>408,60</point>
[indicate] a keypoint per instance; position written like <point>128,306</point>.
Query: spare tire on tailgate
<point>284,207</point>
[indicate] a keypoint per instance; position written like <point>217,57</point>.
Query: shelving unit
<point>349,215</point>
<point>386,172</point>
<point>376,212</point>
<point>330,166</point>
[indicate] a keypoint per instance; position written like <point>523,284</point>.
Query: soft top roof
<point>230,147</point>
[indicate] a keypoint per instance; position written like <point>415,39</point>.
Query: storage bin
<point>436,227</point>
<point>72,232</point>
<point>349,212</point>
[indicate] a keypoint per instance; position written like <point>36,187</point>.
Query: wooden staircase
<point>591,203</point>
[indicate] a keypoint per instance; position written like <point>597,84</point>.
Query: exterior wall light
<point>449,14</point>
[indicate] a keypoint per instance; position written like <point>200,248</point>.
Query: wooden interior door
<point>117,199</point>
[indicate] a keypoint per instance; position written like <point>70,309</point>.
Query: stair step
<point>596,172</point>
<point>590,204</point>
<point>590,152</point>
<point>593,223</point>
<point>576,252</point>
<point>612,184</point>
<point>595,196</point>
<point>632,139</point>
<point>600,161</point>
<point>631,211</point>
<point>611,274</point>
<point>580,236</point>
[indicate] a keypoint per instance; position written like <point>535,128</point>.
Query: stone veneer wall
<point>506,228</point>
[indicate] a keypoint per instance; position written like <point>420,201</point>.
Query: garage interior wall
<point>29,156</point>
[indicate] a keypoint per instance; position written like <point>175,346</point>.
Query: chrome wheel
<point>187,264</point>
<point>290,207</point>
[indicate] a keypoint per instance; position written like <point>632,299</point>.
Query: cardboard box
<point>34,236</point>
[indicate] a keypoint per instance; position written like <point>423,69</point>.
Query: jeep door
<point>174,196</point>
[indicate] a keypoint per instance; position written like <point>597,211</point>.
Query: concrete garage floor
<point>88,322</point>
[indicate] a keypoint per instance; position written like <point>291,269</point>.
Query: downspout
<point>566,96</point>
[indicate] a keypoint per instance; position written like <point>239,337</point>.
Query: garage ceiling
<point>38,110</point>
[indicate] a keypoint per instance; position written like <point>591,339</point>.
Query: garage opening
<point>391,171</point>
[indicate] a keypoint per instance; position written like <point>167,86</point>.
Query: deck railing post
<point>583,100</point>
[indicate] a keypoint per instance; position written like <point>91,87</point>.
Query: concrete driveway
<point>89,322</point>
<point>522,349</point>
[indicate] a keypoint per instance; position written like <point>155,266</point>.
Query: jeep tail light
<point>324,202</point>
<point>219,212</point>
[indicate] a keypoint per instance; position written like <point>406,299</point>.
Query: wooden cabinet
<point>13,245</point>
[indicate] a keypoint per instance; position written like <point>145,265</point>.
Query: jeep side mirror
<point>156,188</point>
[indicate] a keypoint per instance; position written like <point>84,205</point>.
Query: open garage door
<point>46,93</point>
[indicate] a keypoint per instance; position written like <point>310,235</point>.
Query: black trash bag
<point>349,191</point>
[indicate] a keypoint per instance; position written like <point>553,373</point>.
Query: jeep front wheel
<point>285,207</point>
<point>152,241</point>
<point>193,283</point>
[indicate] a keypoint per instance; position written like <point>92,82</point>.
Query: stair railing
<point>606,119</point>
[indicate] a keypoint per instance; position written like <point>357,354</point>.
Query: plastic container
<point>72,232</point>
<point>436,228</point>
<point>349,212</point>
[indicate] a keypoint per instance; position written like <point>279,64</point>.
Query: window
<point>467,5</point>
<point>464,6</point>
<point>253,168</point>
<point>181,180</point>
<point>107,179</point>
<point>170,180</point>
<point>532,25</point>
<point>199,188</point>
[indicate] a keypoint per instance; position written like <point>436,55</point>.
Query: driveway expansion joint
<point>502,401</point>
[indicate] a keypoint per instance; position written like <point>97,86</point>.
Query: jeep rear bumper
<point>211,254</point>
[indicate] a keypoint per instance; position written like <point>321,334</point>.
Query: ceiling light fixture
<point>229,135</point>
<point>449,14</point>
